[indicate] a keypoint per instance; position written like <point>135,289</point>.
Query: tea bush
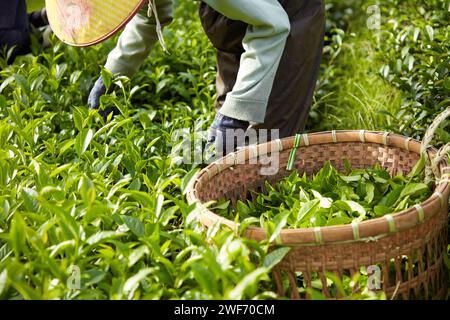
<point>105,200</point>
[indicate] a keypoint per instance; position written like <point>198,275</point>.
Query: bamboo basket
<point>408,247</point>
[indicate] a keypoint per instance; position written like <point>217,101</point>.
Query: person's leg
<point>292,92</point>
<point>291,97</point>
<point>227,71</point>
<point>18,39</point>
<point>226,35</point>
<point>264,41</point>
<point>14,28</point>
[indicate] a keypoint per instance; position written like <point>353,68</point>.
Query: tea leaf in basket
<point>382,210</point>
<point>418,168</point>
<point>222,205</point>
<point>339,220</point>
<point>348,166</point>
<point>350,207</point>
<point>370,192</point>
<point>390,199</point>
<point>324,201</point>
<point>330,198</point>
<point>307,210</point>
<point>414,189</point>
<point>248,222</point>
<point>350,178</point>
<point>242,208</point>
<point>402,204</point>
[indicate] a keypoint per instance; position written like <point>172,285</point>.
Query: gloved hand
<point>97,91</point>
<point>226,135</point>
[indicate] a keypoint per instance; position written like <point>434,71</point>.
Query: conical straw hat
<point>88,22</point>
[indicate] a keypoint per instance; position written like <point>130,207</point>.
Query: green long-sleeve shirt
<point>264,44</point>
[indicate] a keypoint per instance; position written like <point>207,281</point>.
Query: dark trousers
<point>292,92</point>
<point>14,27</point>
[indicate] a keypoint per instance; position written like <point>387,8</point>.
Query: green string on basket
<point>292,156</point>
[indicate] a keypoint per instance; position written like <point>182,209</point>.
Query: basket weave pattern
<point>408,248</point>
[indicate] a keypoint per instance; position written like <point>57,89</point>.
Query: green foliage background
<point>106,199</point>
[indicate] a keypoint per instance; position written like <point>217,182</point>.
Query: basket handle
<point>432,165</point>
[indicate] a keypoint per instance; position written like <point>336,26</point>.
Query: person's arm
<point>138,39</point>
<point>133,47</point>
<point>264,43</point>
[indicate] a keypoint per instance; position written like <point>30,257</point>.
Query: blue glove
<point>226,135</point>
<point>97,91</point>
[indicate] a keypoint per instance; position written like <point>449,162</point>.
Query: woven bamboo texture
<point>407,247</point>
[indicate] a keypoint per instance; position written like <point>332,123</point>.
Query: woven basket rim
<point>369,230</point>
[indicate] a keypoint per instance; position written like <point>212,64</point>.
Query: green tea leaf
<point>418,168</point>
<point>242,208</point>
<point>430,32</point>
<point>107,77</point>
<point>382,210</point>
<point>135,225</point>
<point>349,179</point>
<point>83,141</point>
<point>3,282</point>
<point>390,199</point>
<point>370,193</point>
<point>188,180</point>
<point>133,282</point>
<point>29,198</point>
<point>351,206</point>
<point>103,235</point>
<point>414,189</point>
<point>280,222</point>
<point>274,257</point>
<point>17,234</point>
<point>222,206</point>
<point>205,278</point>
<point>250,280</point>
<point>307,210</point>
<point>324,202</point>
